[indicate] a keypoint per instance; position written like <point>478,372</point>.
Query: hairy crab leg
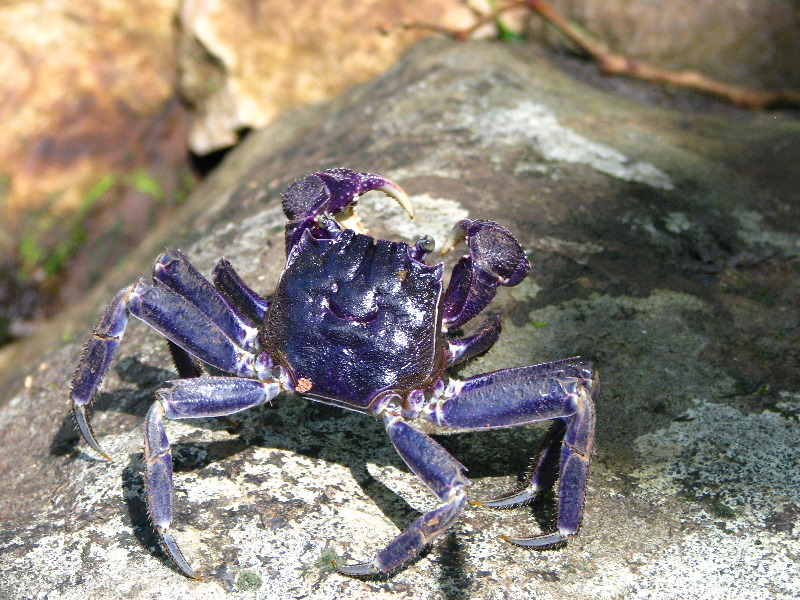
<point>540,476</point>
<point>169,313</point>
<point>188,399</point>
<point>443,475</point>
<point>562,390</point>
<point>495,258</point>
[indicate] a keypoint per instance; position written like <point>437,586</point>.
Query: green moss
<point>144,183</point>
<point>326,561</point>
<point>247,581</point>
<point>722,510</point>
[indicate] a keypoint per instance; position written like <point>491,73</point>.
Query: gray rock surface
<point>664,246</point>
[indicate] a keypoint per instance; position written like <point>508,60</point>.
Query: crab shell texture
<point>353,317</point>
<point>363,324</point>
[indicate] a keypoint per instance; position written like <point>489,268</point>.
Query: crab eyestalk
<point>424,246</point>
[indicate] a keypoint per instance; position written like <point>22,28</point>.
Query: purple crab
<point>365,325</point>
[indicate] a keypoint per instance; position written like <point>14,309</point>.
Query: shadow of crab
<point>316,431</point>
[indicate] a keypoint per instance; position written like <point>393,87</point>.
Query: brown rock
<point>87,90</point>
<point>242,64</point>
<point>93,143</point>
<point>754,43</point>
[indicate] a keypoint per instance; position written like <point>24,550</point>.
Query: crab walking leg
<point>94,361</point>
<point>170,314</point>
<point>175,271</point>
<point>189,399</point>
<point>443,475</point>
<point>523,395</point>
<point>237,292</point>
<point>540,478</point>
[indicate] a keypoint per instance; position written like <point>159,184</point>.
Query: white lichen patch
<point>677,222</point>
<point>536,126</point>
<point>737,478</point>
<point>753,231</point>
<point>432,216</point>
<point>577,251</point>
<point>750,463</point>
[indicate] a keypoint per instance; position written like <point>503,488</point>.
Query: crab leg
<point>189,399</point>
<point>495,258</point>
<point>480,340</point>
<point>562,390</point>
<point>237,292</point>
<point>540,477</point>
<point>94,361</point>
<point>177,273</point>
<point>169,313</point>
<point>443,475</point>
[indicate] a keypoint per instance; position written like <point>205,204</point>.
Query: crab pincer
<point>495,258</point>
<point>334,192</point>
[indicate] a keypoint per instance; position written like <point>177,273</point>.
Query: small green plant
<point>144,183</point>
<point>721,510</point>
<point>35,251</point>
<point>247,581</point>
<point>504,34</point>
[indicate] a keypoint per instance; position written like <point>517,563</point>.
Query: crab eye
<point>424,246</point>
<point>427,243</point>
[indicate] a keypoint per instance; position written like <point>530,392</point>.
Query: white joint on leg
<point>432,411</point>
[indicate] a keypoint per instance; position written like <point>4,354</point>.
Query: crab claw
<point>85,427</point>
<point>495,258</point>
<point>336,192</point>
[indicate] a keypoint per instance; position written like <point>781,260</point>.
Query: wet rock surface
<point>664,246</point>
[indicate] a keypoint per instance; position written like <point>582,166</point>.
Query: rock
<point>94,141</point>
<point>113,75</point>
<point>664,246</point>
<point>242,64</point>
<point>753,43</point>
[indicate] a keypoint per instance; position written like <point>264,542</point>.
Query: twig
<point>611,63</point>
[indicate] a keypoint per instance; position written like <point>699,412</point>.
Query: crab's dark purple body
<point>363,324</point>
<point>355,317</point>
